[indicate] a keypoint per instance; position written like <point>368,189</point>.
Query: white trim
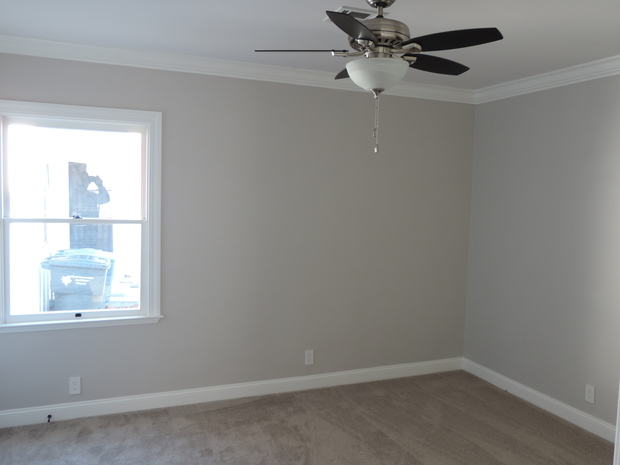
<point>153,211</point>
<point>573,75</point>
<point>576,417</point>
<point>34,415</point>
<point>617,444</point>
<point>429,92</point>
<point>254,71</point>
<point>214,67</point>
<point>49,325</point>
<point>102,115</point>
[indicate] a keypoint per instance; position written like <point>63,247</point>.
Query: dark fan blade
<point>342,74</point>
<point>456,39</point>
<point>351,26</point>
<point>298,51</point>
<point>438,65</point>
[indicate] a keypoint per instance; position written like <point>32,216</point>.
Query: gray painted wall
<point>282,231</point>
<point>544,262</point>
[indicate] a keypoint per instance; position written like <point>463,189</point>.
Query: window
<point>80,214</point>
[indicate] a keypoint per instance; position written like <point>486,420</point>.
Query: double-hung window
<point>80,216</point>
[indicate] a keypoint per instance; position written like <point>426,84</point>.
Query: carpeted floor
<point>440,419</point>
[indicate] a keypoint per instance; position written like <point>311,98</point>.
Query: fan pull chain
<point>376,129</point>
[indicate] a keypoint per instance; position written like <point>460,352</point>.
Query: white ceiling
<point>540,36</point>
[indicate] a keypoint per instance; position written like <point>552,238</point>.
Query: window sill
<point>75,324</point>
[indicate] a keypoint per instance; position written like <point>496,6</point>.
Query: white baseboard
<point>617,445</point>
<point>34,415</point>
<point>576,417</point>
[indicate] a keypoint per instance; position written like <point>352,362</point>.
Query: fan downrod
<point>380,3</point>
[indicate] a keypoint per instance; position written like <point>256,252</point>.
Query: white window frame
<point>151,122</point>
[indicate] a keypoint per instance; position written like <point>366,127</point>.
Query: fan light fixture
<point>377,74</point>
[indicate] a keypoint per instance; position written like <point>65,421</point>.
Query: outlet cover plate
<point>75,385</point>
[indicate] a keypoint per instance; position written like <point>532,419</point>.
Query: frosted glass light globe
<point>377,73</point>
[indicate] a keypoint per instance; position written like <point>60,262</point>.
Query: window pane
<point>63,173</point>
<point>48,273</point>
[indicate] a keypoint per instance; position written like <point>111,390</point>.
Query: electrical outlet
<point>75,385</point>
<point>589,393</point>
<point>309,360</point>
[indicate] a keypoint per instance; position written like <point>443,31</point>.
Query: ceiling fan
<point>387,50</point>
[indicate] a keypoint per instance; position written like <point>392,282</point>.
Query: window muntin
<point>80,214</point>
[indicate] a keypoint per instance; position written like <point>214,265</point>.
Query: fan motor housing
<point>389,32</point>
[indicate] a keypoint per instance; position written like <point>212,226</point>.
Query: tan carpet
<point>441,419</point>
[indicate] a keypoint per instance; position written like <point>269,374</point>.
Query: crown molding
<point>564,77</point>
<point>214,67</point>
<point>258,72</point>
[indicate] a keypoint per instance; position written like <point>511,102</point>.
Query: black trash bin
<point>79,279</point>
